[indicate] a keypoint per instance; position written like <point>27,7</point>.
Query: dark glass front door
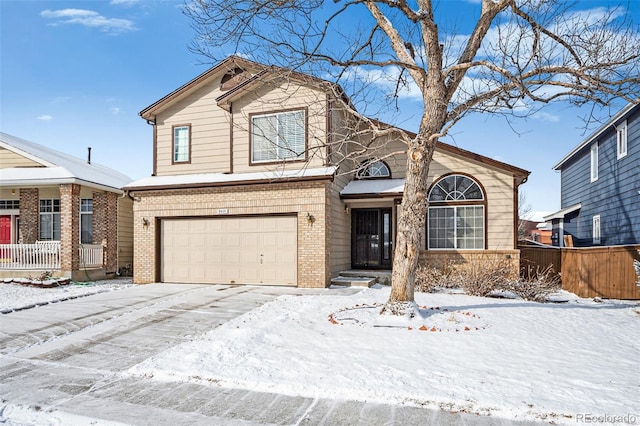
<point>371,238</point>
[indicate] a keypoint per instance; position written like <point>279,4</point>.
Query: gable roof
<point>622,114</point>
<point>57,168</point>
<point>520,174</point>
<point>260,74</point>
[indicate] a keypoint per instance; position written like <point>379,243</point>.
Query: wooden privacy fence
<point>589,271</point>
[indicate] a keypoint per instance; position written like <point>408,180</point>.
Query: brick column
<point>111,232</point>
<point>69,227</point>
<point>99,217</point>
<point>29,215</point>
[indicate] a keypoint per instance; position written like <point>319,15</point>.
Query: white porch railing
<point>91,256</point>
<point>41,255</point>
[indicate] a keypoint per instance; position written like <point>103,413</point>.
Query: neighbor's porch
<point>67,230</point>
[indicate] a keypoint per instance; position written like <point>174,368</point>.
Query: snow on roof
<point>222,178</point>
<point>59,167</point>
<point>373,186</point>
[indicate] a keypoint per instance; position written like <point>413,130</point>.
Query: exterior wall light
<point>310,219</point>
<point>145,221</point>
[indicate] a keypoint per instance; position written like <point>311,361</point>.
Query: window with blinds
<point>280,136</point>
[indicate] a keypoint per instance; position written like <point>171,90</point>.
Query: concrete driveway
<point>67,361</point>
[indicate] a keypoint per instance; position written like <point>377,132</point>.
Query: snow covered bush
<point>535,284</point>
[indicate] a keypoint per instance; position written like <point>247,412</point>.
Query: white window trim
<point>455,229</point>
<point>174,153</point>
<point>52,214</point>
<point>596,230</point>
<point>621,139</point>
<point>300,157</point>
<point>85,213</point>
<point>594,164</point>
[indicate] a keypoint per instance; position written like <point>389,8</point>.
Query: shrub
<point>430,278</point>
<point>481,278</point>
<point>535,284</point>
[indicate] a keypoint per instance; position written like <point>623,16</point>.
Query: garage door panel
<point>249,250</point>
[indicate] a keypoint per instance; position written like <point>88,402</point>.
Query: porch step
<point>353,281</point>
<point>364,278</point>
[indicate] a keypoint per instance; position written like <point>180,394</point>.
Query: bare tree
<point>524,213</point>
<point>520,55</point>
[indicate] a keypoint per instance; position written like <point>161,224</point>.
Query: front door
<point>371,238</point>
<point>5,229</point>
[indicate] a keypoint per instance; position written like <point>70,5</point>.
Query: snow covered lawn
<point>15,296</point>
<point>508,358</point>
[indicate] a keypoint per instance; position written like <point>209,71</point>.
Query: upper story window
<point>594,162</point>
<point>181,143</point>
<point>456,215</point>
<point>373,170</point>
<point>49,220</point>
<point>278,137</point>
<point>621,138</point>
<point>86,221</point>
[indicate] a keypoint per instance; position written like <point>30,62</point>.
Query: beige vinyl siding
<point>49,192</point>
<point>339,228</point>
<point>9,159</point>
<point>284,96</point>
<point>210,133</point>
<point>125,232</point>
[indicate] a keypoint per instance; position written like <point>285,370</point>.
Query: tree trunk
<point>411,220</point>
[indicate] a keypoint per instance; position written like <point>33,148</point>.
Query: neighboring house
<point>61,214</point>
<point>254,183</point>
<point>539,232</point>
<point>600,186</point>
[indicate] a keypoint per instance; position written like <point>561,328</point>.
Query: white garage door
<point>247,250</point>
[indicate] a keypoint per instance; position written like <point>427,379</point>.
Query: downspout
<point>516,203</point>
<point>155,144</point>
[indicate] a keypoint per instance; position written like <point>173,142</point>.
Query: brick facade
<point>305,199</point>
<point>29,215</point>
<point>105,227</point>
<point>69,227</point>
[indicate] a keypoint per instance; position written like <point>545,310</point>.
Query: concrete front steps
<point>362,278</point>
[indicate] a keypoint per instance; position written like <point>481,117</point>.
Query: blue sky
<point>75,74</point>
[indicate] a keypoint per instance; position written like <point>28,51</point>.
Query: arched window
<point>373,170</point>
<point>455,219</point>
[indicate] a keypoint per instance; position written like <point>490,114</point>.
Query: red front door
<point>5,229</point>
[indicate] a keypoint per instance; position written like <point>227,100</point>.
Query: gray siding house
<point>600,186</point>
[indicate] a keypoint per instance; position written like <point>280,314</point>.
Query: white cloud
<point>115,110</point>
<point>123,2</point>
<point>61,99</point>
<point>88,18</point>
<point>44,117</point>
<point>545,116</point>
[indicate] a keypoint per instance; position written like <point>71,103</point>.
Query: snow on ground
<point>509,358</point>
<point>15,296</point>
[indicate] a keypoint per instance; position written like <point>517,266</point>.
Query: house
<point>61,214</point>
<point>539,232</point>
<point>260,177</point>
<point>600,186</point>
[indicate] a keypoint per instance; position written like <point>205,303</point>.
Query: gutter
<point>57,181</point>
